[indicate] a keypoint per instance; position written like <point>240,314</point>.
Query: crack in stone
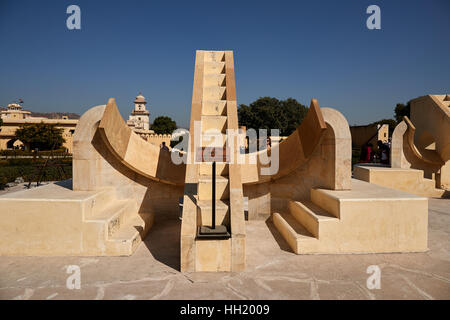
<point>167,289</point>
<point>432,275</point>
<point>364,290</point>
<point>236,292</point>
<point>314,294</point>
<point>27,294</point>
<point>420,291</point>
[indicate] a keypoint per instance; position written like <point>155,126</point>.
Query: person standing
<point>164,147</point>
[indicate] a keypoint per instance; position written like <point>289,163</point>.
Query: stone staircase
<point>214,106</point>
<point>114,227</point>
<point>304,225</point>
<point>55,220</point>
<point>348,221</point>
<point>214,126</point>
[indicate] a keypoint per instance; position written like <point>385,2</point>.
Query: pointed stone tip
<point>314,102</point>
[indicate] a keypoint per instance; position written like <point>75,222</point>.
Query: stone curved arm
<point>293,152</point>
<point>134,152</point>
<point>427,156</point>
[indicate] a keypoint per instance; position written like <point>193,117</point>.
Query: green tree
<point>40,135</point>
<point>163,125</point>
<point>402,110</point>
<point>271,113</point>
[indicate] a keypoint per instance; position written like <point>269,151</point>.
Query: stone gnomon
<point>122,185</point>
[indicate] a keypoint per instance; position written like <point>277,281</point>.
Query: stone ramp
<point>366,219</point>
<point>54,220</point>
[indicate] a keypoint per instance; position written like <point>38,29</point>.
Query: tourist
<point>366,155</point>
<point>384,152</point>
<point>268,143</point>
<point>164,147</point>
<point>370,154</point>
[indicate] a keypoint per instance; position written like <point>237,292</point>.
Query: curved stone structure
<point>429,157</point>
<point>420,152</point>
<point>292,152</point>
<point>123,184</point>
<point>327,166</point>
<point>423,142</point>
<point>430,115</point>
<point>134,152</point>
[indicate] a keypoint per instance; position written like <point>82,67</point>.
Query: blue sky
<point>298,49</point>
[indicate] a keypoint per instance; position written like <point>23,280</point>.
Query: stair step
<point>99,202</point>
<point>326,201</point>
<point>214,107</point>
<point>113,216</point>
<point>214,93</point>
<point>205,187</point>
<point>216,56</point>
<point>207,204</point>
<point>222,210</point>
<point>214,67</point>
<point>297,236</point>
<point>214,124</point>
<point>127,238</point>
<point>214,140</point>
<point>222,169</point>
<point>214,79</point>
<point>207,178</point>
<point>429,183</point>
<point>311,216</point>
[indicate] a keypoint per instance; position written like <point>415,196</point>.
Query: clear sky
<point>300,49</point>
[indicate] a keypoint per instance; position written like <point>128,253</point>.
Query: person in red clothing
<point>366,153</point>
<point>369,157</point>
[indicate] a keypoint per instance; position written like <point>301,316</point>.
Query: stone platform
<point>404,179</point>
<point>366,219</point>
<point>273,271</point>
<point>54,220</point>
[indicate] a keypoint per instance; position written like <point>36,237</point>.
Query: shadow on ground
<point>163,242</point>
<point>277,236</point>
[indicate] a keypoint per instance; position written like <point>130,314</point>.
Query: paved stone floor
<point>273,271</point>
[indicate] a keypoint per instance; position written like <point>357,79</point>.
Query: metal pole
<point>213,208</point>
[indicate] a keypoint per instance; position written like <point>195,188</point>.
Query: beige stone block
<point>214,79</point>
<point>408,180</point>
<point>206,169</point>
<point>213,255</point>
<point>214,123</point>
<point>222,212</point>
<point>214,93</point>
<point>205,188</point>
<point>214,107</point>
<point>211,139</point>
<point>214,67</point>
<point>238,254</point>
<point>214,56</point>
